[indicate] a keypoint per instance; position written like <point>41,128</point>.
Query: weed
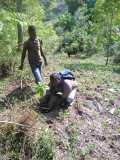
<point>73,139</point>
<point>43,148</point>
<point>117,111</point>
<point>63,114</point>
<point>13,100</point>
<point>12,141</point>
<point>105,124</point>
<point>118,129</point>
<point>87,150</point>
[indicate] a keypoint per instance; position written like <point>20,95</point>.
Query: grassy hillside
<point>90,129</point>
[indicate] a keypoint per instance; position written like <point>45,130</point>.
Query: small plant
<point>40,89</point>
<point>13,99</point>
<point>88,150</point>
<point>105,124</point>
<point>117,111</point>
<point>63,114</point>
<point>118,129</point>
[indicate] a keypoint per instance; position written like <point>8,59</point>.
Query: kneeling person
<point>62,91</point>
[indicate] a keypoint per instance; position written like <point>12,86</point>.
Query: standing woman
<point>35,53</point>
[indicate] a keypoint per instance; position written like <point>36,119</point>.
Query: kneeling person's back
<point>66,86</point>
<point>69,90</point>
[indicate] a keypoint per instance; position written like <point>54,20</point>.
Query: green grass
<point>87,150</point>
<point>117,111</point>
<point>90,73</point>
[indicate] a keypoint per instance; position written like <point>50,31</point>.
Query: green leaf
<point>40,89</point>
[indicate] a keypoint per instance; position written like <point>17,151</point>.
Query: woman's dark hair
<point>55,76</point>
<point>32,29</point>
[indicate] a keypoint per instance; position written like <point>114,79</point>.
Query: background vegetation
<point>88,31</point>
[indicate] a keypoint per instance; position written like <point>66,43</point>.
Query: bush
<point>8,36</point>
<point>66,21</point>
<point>79,41</point>
<point>77,33</point>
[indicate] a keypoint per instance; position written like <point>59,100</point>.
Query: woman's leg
<point>37,73</point>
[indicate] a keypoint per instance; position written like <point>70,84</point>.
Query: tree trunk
<point>107,60</point>
<point>109,38</point>
<point>19,26</point>
<point>20,35</point>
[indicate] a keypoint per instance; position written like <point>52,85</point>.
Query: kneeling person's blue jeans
<point>37,73</point>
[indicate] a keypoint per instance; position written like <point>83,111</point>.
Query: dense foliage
<point>30,13</point>
<point>91,27</point>
<point>86,28</point>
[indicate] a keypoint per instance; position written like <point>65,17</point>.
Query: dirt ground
<point>90,129</point>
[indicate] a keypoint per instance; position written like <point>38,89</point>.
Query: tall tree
<point>19,26</point>
<point>73,5</point>
<point>48,6</point>
<point>106,14</point>
<point>14,6</point>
